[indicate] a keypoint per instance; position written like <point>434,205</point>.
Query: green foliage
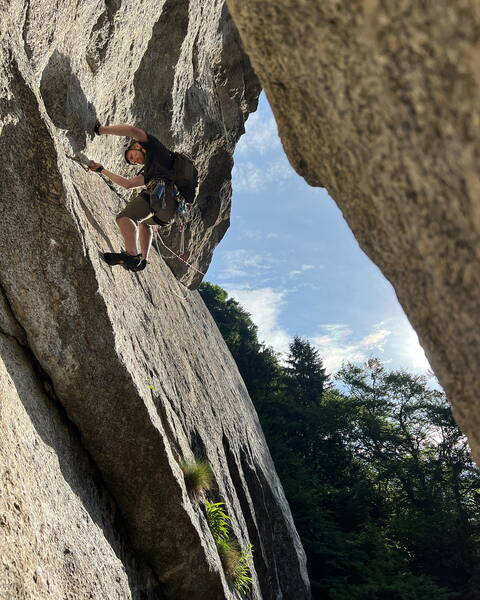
<point>305,378</point>
<point>235,561</point>
<point>258,364</point>
<point>241,570</point>
<point>198,476</point>
<point>378,475</point>
<point>229,553</point>
<point>217,520</point>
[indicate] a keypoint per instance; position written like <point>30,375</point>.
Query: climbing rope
<point>177,256</point>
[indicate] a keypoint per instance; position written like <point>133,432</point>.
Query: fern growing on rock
<point>235,561</point>
<point>217,520</point>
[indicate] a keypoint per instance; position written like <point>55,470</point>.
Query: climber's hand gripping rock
<point>94,166</point>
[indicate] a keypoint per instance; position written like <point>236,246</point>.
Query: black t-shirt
<point>158,160</point>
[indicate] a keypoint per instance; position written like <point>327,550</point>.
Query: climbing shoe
<point>123,259</point>
<point>140,267</point>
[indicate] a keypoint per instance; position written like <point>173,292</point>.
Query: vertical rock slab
<point>59,528</point>
<point>379,103</point>
<point>136,359</point>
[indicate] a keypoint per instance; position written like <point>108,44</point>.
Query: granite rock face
<point>60,531</point>
<point>135,359</point>
<point>379,103</point>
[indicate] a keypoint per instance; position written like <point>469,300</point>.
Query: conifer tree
<point>378,475</point>
<point>305,377</point>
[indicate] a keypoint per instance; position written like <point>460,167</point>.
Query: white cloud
<point>410,352</point>
<point>299,271</point>
<point>255,234</point>
<point>251,234</point>
<point>261,135</point>
<point>337,344</point>
<point>241,263</point>
<point>259,157</point>
<point>248,176</point>
<point>265,306</point>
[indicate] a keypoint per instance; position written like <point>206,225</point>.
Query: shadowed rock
<point>65,101</point>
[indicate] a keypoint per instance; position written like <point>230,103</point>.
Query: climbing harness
<point>158,193</point>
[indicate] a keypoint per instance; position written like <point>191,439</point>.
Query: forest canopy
<point>378,475</point>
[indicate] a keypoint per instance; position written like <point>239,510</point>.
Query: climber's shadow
<point>65,100</point>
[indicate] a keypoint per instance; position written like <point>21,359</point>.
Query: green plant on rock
<point>217,520</point>
<point>198,476</point>
<point>235,561</point>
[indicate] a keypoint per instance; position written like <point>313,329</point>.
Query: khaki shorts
<point>139,210</point>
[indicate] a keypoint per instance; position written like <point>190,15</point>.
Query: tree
<point>418,460</point>
<point>379,478</point>
<point>305,377</point>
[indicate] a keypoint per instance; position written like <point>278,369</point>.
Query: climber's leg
<point>129,259</point>
<point>145,229</point>
<point>146,235</point>
<point>128,221</point>
<point>129,231</point>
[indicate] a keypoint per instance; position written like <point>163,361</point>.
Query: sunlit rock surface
<point>60,531</point>
<point>379,103</point>
<point>135,360</point>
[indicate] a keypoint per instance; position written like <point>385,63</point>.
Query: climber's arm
<point>125,182</point>
<point>125,130</point>
<point>137,181</point>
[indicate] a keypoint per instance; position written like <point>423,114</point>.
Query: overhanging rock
<point>379,103</point>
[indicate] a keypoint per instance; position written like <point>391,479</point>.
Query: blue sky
<point>292,262</point>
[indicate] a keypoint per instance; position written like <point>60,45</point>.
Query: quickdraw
<point>181,220</point>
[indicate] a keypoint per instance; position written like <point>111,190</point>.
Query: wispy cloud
<point>300,270</point>
<point>337,344</point>
<point>261,135</point>
<point>259,157</point>
<point>265,306</point>
<point>248,176</point>
<point>251,234</point>
<point>257,235</point>
<point>241,263</point>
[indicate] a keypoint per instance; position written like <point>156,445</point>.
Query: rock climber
<point>156,205</point>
